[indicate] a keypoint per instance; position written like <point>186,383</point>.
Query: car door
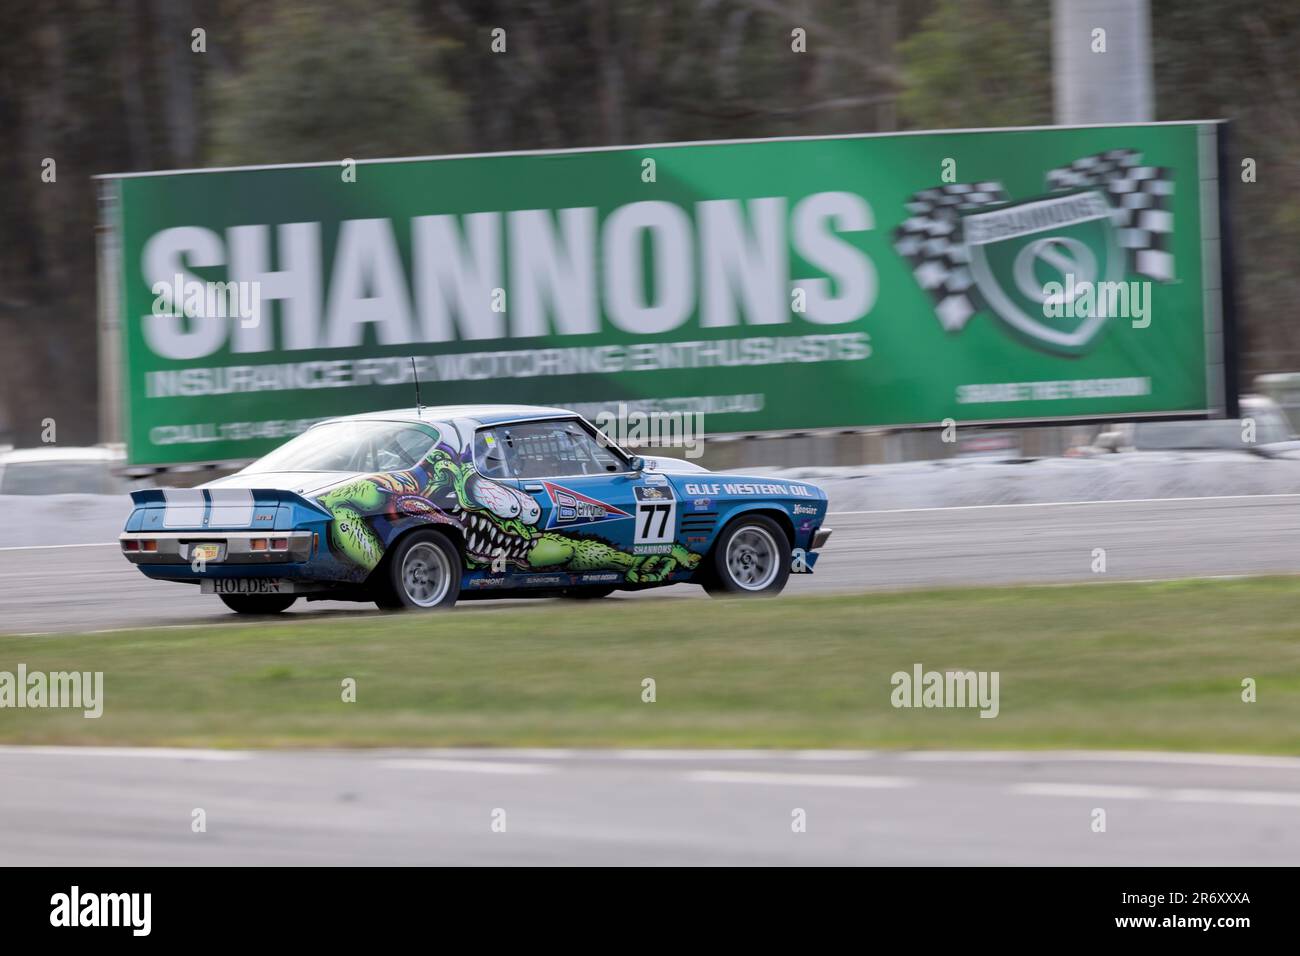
<point>586,491</point>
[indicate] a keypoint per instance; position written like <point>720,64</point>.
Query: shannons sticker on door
<point>656,519</point>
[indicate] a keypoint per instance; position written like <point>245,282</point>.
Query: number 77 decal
<point>656,515</point>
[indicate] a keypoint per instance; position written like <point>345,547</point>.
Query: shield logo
<point>1017,249</point>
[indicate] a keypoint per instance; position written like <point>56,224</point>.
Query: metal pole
<point>107,254</point>
<point>1101,61</point>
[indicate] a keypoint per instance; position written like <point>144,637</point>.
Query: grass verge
<point>1116,665</point>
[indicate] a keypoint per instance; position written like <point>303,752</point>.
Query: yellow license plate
<point>205,552</point>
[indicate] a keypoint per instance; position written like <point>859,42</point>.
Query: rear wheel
<point>751,557</point>
<point>423,573</point>
<point>258,603</point>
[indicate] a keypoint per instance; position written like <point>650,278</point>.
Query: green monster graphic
<point>496,522</point>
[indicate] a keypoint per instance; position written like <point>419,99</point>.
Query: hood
<point>672,466</point>
<point>710,484</point>
<point>299,482</point>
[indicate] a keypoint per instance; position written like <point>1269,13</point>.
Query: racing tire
<point>423,574</point>
<point>750,559</point>
<point>258,603</point>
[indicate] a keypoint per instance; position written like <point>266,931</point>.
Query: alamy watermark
<point>632,428</point>
<point>953,688</point>
<point>75,909</point>
<point>209,300</point>
<point>69,690</point>
<point>1083,299</point>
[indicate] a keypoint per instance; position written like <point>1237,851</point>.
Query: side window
<point>542,450</point>
<point>489,454</point>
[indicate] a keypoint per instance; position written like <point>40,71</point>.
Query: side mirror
<point>638,463</point>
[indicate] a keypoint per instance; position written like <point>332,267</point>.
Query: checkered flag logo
<point>931,242</point>
<point>1139,198</point>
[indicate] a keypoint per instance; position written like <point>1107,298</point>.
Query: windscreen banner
<point>774,285</point>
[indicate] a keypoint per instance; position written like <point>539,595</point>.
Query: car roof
<point>481,414</point>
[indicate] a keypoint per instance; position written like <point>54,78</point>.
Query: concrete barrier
<point>27,521</point>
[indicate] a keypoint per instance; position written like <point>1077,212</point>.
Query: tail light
<point>131,545</point>
<point>149,545</point>
<point>257,544</point>
<point>279,544</point>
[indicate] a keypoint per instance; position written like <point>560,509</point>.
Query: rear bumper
<point>235,547</point>
<point>820,539</point>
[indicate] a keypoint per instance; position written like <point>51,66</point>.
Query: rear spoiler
<point>260,496</point>
<point>225,506</point>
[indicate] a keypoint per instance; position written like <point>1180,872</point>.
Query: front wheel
<point>424,573</point>
<point>751,557</point>
<point>258,603</point>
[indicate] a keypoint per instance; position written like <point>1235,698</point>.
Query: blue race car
<point>416,508</point>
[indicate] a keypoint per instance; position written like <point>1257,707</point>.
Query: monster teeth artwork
<point>496,521</point>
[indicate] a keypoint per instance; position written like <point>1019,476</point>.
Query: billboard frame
<point>1222,361</point>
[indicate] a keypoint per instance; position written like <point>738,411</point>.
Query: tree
<point>355,79</point>
<point>977,63</point>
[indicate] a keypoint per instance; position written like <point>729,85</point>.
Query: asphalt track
<point>98,806</point>
<point>87,588</point>
<point>81,806</point>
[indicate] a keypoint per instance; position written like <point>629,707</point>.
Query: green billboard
<point>775,285</point>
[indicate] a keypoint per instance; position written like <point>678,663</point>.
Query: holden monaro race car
<point>418,507</point>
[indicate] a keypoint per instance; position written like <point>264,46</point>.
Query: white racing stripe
<point>857,781</point>
<point>231,508</point>
<point>185,508</point>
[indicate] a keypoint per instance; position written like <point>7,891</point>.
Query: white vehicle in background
<point>54,470</point>
<point>1263,429</point>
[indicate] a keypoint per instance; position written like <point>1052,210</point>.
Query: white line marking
<point>1253,761</point>
<point>833,755</point>
<point>1255,798</point>
<point>55,547</point>
<point>1055,504</point>
<point>858,781</point>
<point>466,766</point>
<point>162,753</point>
<point>1250,761</point>
<point>488,753</point>
<point>833,514</point>
<point>635,754</point>
<point>1098,790</point>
